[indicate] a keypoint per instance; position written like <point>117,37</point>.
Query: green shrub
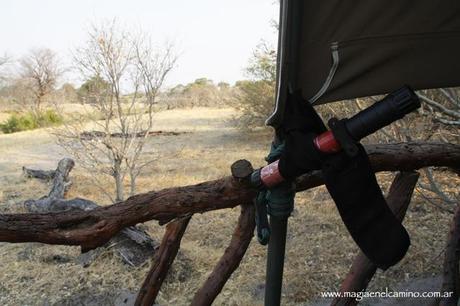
<point>48,118</point>
<point>255,101</point>
<point>30,121</point>
<point>256,97</point>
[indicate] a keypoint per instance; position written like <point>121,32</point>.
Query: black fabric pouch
<point>301,125</point>
<point>359,199</point>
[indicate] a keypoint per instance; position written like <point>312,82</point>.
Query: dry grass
<point>319,250</point>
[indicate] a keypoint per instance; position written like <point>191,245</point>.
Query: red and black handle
<point>382,113</point>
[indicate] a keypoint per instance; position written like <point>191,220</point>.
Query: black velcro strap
<point>343,137</point>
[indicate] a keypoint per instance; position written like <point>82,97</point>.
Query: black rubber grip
<point>393,107</point>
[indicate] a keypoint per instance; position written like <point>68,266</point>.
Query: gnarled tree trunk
<point>132,244</point>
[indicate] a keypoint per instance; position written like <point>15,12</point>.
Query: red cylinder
<point>326,143</point>
<point>270,175</point>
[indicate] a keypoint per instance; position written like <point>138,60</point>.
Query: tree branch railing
<point>230,260</point>
<point>91,229</point>
<point>451,274</point>
<point>166,254</point>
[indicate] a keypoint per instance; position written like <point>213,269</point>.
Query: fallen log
<point>58,188</point>
<point>362,269</point>
<point>89,135</point>
<point>46,175</point>
<point>91,229</point>
<point>132,244</point>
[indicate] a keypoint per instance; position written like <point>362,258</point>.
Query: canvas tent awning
<point>355,48</point>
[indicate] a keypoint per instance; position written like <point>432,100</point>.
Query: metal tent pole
<point>275,260</point>
<point>287,60</point>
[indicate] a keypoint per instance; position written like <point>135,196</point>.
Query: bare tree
<point>41,69</point>
<point>5,59</point>
<point>127,63</point>
<point>438,120</point>
<point>444,104</point>
<point>442,107</point>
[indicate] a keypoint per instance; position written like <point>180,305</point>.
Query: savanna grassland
<point>319,250</point>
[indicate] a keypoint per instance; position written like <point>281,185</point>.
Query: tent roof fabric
<point>355,48</point>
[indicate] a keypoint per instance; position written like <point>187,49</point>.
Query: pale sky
<point>215,37</point>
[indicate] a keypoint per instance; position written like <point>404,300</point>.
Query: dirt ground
<point>319,250</point>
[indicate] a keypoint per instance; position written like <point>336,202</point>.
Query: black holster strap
<point>354,188</point>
